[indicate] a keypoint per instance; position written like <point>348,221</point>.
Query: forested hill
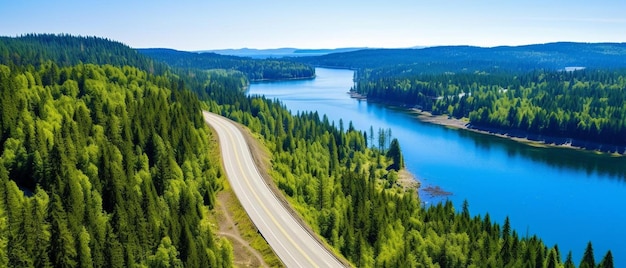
<point>33,50</point>
<point>102,166</point>
<point>254,69</point>
<point>552,56</point>
<point>68,50</point>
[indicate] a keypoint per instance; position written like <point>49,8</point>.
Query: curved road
<point>291,242</point>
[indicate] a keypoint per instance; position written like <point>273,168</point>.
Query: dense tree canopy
<point>67,50</point>
<point>584,104</point>
<point>563,90</point>
<point>469,59</point>
<point>108,165</point>
<point>254,69</point>
<point>104,166</point>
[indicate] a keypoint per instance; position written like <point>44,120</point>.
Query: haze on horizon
<point>204,25</point>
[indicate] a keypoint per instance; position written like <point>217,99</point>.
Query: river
<point>567,197</point>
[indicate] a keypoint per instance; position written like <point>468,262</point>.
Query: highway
<point>289,240</point>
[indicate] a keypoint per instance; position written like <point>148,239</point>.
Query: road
<point>290,241</point>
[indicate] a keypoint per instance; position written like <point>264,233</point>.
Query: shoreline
<point>524,137</point>
<point>426,193</point>
<point>267,80</point>
<point>520,136</point>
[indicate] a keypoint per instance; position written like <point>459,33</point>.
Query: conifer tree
<point>63,244</point>
<point>607,261</point>
<point>588,260</point>
<point>396,155</point>
<point>569,262</point>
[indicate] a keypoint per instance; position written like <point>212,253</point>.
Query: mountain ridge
<point>554,56</point>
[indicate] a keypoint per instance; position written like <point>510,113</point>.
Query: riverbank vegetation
<point>342,181</point>
<point>105,161</point>
<point>523,91</point>
<point>585,104</point>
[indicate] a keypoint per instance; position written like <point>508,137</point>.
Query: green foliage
<point>103,166</point>
<point>165,256</point>
<point>585,105</point>
<point>518,90</point>
<point>607,261</point>
<point>588,260</point>
<point>468,59</point>
<point>109,166</point>
<point>344,191</point>
<point>396,155</point>
<point>67,50</point>
<point>254,69</point>
<point>569,262</point>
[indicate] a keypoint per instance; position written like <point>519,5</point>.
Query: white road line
<point>291,242</point>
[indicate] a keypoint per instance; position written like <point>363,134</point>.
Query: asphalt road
<point>291,242</point>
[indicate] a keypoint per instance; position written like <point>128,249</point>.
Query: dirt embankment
<point>262,160</point>
<point>407,180</point>
<point>244,254</point>
<point>234,225</point>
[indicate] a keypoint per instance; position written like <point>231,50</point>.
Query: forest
<point>469,59</point>
<point>570,91</point>
<point>343,182</point>
<point>106,164</point>
<point>583,104</point>
<point>104,167</point>
<point>254,69</point>
<point>66,50</point>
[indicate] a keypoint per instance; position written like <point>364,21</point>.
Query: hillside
<point>278,52</point>
<point>102,166</point>
<point>552,56</point>
<point>67,50</point>
<point>254,69</point>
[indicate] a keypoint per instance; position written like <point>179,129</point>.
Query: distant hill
<point>554,56</point>
<point>279,52</point>
<point>67,50</point>
<point>254,69</point>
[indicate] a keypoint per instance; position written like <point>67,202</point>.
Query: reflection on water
<point>563,158</point>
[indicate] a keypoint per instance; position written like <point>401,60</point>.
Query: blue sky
<point>211,24</point>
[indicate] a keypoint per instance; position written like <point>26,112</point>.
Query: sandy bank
<point>520,136</point>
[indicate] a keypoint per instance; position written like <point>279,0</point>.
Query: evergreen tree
<point>166,255</point>
<point>588,260</point>
<point>63,248</point>
<point>396,155</point>
<point>607,261</point>
<point>569,262</point>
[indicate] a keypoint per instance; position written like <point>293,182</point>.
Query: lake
<point>567,197</point>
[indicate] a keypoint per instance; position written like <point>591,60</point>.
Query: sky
<point>193,25</point>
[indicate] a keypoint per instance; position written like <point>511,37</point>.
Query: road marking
<point>282,230</point>
<point>256,196</point>
<point>225,128</point>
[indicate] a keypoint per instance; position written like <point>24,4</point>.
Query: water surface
<point>566,197</point>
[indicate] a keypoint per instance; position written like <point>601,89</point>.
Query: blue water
<point>566,197</point>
